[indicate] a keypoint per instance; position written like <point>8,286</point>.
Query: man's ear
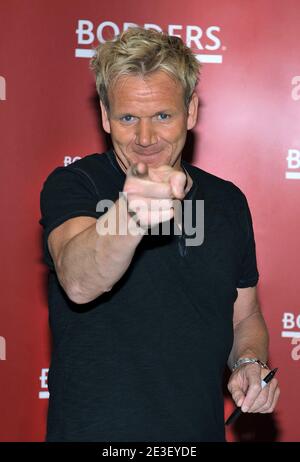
<point>105,118</point>
<point>192,111</point>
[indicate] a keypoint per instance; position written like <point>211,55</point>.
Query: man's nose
<point>145,134</point>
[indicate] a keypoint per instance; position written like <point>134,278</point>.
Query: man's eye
<point>127,118</point>
<point>163,116</point>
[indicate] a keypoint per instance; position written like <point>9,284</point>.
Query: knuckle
<point>183,177</point>
<point>164,203</point>
<point>265,405</point>
<point>270,410</point>
<point>278,391</point>
<point>130,185</point>
<point>256,387</point>
<point>236,396</point>
<point>168,190</point>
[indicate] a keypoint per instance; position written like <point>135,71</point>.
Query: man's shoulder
<point>213,185</point>
<point>90,166</point>
<point>89,161</point>
<point>84,164</point>
<point>91,171</point>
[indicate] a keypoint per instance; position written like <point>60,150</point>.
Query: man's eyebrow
<point>123,114</point>
<point>128,113</point>
<point>163,111</point>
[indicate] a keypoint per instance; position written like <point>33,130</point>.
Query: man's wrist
<point>242,361</point>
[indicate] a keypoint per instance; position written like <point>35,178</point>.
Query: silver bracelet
<point>242,361</point>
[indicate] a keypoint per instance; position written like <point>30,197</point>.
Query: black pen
<point>238,411</point>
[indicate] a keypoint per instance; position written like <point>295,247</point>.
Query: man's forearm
<point>251,339</point>
<point>91,262</point>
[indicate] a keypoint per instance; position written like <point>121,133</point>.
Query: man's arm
<point>88,260</point>
<point>251,340</point>
<point>88,263</point>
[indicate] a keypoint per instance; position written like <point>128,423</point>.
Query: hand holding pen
<point>238,411</point>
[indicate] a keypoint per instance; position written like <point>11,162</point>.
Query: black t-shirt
<point>145,361</point>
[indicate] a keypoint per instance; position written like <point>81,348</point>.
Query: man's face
<point>148,120</point>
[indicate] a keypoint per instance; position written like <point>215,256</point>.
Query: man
<point>143,324</point>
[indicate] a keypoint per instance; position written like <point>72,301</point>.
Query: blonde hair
<point>140,52</point>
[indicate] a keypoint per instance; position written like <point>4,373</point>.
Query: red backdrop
<point>248,132</point>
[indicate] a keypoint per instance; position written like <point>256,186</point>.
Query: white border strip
<point>285,333</point>
<point>218,59</point>
<point>84,53</point>
<point>292,175</point>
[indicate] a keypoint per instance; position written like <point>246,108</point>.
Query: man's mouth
<point>148,153</point>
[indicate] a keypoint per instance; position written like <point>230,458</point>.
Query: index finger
<point>147,188</point>
<point>139,170</point>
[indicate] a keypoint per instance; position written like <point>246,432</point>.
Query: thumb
<point>178,182</point>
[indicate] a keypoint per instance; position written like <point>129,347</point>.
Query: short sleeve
<point>68,192</point>
<point>248,275</point>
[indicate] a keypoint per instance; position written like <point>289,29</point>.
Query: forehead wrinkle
<point>148,81</point>
<point>144,93</point>
<point>138,91</point>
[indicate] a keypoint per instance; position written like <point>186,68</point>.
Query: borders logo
<point>68,160</point>
<point>296,349</point>
<point>2,349</point>
<point>2,88</point>
<point>291,325</point>
<point>205,43</point>
<point>291,329</point>
<point>44,393</point>
<point>293,165</point>
<point>295,94</point>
